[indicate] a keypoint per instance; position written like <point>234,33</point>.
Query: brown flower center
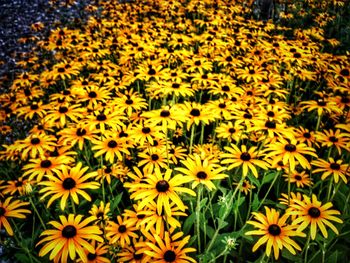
<point>154,157</point>
<point>245,156</point>
<point>35,141</point>
<point>122,229</point>
<point>164,113</point>
<point>169,256</point>
<point>195,112</point>
<point>45,164</point>
<point>2,211</point>
<point>92,94</point>
<point>270,125</point>
<point>162,186</point>
<point>314,212</point>
<point>146,130</point>
<point>91,256</point>
<point>101,117</point>
<point>69,231</point>
<point>80,132</point>
<point>290,147</point>
<point>68,183</point>
<point>202,175</point>
<point>112,144</point>
<point>63,109</point>
<point>333,139</point>
<point>274,230</point>
<point>335,166</point>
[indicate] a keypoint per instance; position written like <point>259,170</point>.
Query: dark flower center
<point>81,132</point>
<point>122,229</point>
<point>222,105</point>
<point>154,157</point>
<point>112,144</point>
<point>2,211</point>
<point>146,130</point>
<point>100,215</point>
<point>231,130</point>
<point>274,230</point>
<point>345,100</point>
<point>175,85</point>
<point>63,109</point>
<point>202,175</point>
<point>164,113</point>
<point>129,101</point>
<point>108,170</point>
<point>245,156</point>
<point>61,70</point>
<point>169,256</point>
<point>101,117</point>
<point>345,72</point>
<point>298,177</point>
<point>270,124</point>
<point>68,183</point>
<point>290,147</point>
<point>123,134</point>
<point>307,135</point>
<point>138,256</point>
<point>251,71</point>
<point>35,141</point>
<point>335,166</point>
<point>321,103</point>
<point>197,63</point>
<point>140,216</point>
<point>314,212</point>
<point>152,72</point>
<point>271,114</point>
<point>162,186</point>
<point>18,183</point>
<point>247,116</point>
<point>225,88</point>
<point>91,256</point>
<point>333,139</point>
<point>229,59</point>
<point>45,164</point>
<point>297,55</point>
<point>69,231</point>
<point>195,112</point>
<point>92,94</point>
<point>34,107</point>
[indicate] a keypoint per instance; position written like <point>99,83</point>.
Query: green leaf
<point>115,202</point>
<point>22,257</point>
<point>222,223</point>
<point>255,203</point>
<point>188,223</point>
<point>253,180</point>
<point>268,178</point>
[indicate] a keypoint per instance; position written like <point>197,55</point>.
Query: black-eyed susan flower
<point>311,212</point>
<point>35,145</point>
<point>69,238</point>
<point>330,138</point>
<point>101,213</point>
<point>170,248</point>
<point>100,254</point>
<point>335,168</point>
<point>301,179</point>
<point>275,232</point>
<point>110,145</point>
<point>290,151</point>
<point>121,232</point>
<point>162,187</point>
<point>69,182</point>
<point>248,159</point>
<point>201,171</point>
<point>9,208</point>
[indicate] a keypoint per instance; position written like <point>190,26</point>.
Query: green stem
<point>192,137</point>
<point>268,191</point>
<point>226,213</point>
<point>318,122</point>
<point>330,188</point>
<point>198,210</point>
<point>37,213</point>
<point>73,205</point>
<point>202,133</point>
<point>306,248</point>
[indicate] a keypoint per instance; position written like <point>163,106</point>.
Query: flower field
<point>180,131</point>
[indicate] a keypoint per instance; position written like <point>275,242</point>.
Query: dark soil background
<point>16,17</point>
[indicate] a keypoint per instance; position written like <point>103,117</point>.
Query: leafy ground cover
<point>180,131</point>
